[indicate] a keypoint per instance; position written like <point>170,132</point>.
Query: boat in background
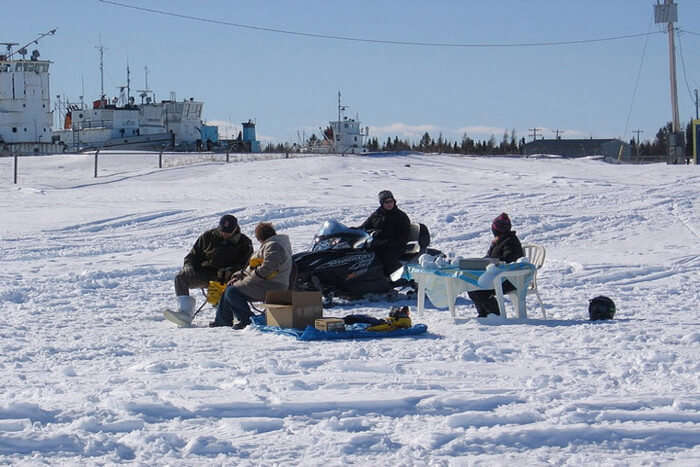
<point>26,116</point>
<point>342,136</point>
<point>122,123</point>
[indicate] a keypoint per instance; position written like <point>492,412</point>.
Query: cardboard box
<point>330,324</point>
<point>292,309</point>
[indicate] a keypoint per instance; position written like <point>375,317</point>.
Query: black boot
<point>218,324</point>
<point>241,325</point>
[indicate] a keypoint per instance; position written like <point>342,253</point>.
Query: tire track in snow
<point>684,219</point>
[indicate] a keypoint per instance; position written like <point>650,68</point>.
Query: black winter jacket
<point>506,247</point>
<point>215,254</point>
<point>392,227</point>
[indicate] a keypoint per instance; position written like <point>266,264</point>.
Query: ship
<point>120,122</point>
<point>342,136</point>
<point>347,135</point>
<point>26,119</point>
<point>26,115</point>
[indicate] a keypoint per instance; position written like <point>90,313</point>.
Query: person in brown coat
<point>268,269</point>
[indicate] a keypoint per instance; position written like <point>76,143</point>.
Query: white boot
<point>185,311</point>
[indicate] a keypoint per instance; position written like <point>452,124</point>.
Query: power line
<point>374,41</point>
<point>685,76</point>
<point>636,83</point>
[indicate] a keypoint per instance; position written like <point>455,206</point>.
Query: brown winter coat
<point>275,258</point>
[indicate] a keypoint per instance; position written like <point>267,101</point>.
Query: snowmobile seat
<point>413,245</point>
<point>418,240</point>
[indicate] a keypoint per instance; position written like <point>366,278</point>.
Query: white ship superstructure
<point>348,136</point>
<point>122,123</point>
<point>25,101</point>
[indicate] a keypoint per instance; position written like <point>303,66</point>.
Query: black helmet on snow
<point>601,307</point>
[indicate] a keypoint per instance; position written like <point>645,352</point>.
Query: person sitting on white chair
<point>505,246</point>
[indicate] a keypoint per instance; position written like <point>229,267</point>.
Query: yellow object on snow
<point>215,291</point>
<point>392,324</point>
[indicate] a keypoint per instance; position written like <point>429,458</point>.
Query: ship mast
<point>128,84</point>
<point>102,70</point>
<point>143,93</point>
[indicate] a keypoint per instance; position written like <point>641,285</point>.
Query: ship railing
<point>84,124</point>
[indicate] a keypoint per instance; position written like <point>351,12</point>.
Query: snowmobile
<point>341,262</point>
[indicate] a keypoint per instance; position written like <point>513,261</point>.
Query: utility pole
<point>556,133</point>
<point>668,13</point>
<point>534,133</point>
<point>696,105</point>
<point>638,131</point>
<point>637,141</point>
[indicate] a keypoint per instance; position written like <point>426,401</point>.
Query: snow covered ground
<point>92,374</point>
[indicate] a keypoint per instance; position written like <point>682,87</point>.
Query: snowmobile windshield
<point>333,235</point>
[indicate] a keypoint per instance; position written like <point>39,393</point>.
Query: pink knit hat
<point>501,224</point>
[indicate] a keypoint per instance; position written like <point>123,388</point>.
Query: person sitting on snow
<point>268,269</point>
<point>390,228</point>
<point>216,255</point>
<point>505,246</point>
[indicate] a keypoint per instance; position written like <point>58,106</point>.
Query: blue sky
<point>289,83</point>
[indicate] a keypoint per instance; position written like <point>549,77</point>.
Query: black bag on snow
<point>601,307</point>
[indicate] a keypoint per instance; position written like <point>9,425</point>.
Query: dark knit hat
<point>385,194</point>
<point>501,224</point>
<point>228,223</point>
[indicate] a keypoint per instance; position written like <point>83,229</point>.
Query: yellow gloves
<point>255,262</point>
<point>215,291</point>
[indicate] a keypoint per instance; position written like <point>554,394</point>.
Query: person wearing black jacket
<point>216,255</point>
<point>390,228</point>
<point>506,247</point>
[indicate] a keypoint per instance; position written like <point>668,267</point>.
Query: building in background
<point>611,147</point>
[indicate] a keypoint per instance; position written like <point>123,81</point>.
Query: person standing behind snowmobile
<point>390,228</point>
<point>506,247</point>
<point>268,269</point>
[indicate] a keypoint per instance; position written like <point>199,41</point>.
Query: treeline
<point>509,144</point>
<point>660,143</point>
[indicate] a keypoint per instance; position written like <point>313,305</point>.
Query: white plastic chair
<point>535,254</point>
<point>517,279</point>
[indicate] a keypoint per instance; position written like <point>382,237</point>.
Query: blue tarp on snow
<point>356,331</point>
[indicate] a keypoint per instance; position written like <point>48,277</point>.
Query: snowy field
<point>93,375</point>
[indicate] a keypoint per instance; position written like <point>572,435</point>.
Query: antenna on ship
<point>143,93</point>
<point>101,48</point>
<point>82,87</point>
<point>128,84</point>
<point>341,108</point>
<point>23,50</point>
<point>8,45</point>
